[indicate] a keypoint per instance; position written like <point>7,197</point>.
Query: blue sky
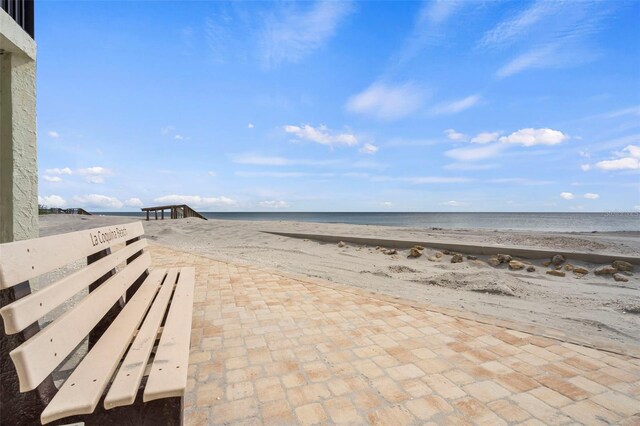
<point>339,106</point>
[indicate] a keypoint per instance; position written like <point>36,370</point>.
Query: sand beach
<point>592,308</point>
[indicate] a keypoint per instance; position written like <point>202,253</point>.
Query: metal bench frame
<point>160,302</point>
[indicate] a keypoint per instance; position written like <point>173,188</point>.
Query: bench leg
<point>19,408</point>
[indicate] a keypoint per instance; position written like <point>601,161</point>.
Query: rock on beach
<point>621,265</point>
<point>605,270</point>
<point>516,265</point>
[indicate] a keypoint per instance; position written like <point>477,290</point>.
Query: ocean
<point>563,222</point>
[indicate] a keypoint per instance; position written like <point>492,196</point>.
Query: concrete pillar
<point>18,153</point>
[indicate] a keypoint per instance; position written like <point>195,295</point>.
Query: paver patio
<point>270,348</point>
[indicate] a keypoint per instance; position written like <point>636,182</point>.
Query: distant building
<point>18,153</point>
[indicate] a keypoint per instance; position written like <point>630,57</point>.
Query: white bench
<point>138,323</point>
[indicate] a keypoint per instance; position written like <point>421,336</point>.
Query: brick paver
<point>269,348</point>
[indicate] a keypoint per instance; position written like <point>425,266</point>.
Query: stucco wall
<point>18,150</point>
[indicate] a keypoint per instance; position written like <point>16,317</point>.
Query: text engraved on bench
<point>24,312</point>
<point>23,260</point>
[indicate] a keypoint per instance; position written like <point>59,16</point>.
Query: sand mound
<point>485,283</point>
<point>401,269</point>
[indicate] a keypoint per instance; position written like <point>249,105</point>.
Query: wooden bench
<point>138,324</point>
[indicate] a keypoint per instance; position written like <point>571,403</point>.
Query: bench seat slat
<point>83,389</point>
<point>124,387</point>
<point>167,377</point>
<point>24,312</point>
<point>23,260</point>
<point>38,356</point>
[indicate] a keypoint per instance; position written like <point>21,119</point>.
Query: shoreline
<point>314,217</point>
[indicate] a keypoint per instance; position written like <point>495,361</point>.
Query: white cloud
<point>454,203</point>
<point>585,167</point>
<point>133,202</point>
<point>520,181</point>
<point>475,153</point>
<point>386,204</point>
<point>94,174</point>
<point>250,126</point>
<point>532,137</point>
<point>56,171</point>
<point>55,201</point>
<point>591,196</point>
<point>53,134</point>
<point>628,163</point>
<point>274,204</point>
<point>356,175</point>
<point>567,195</point>
<point>455,136</point>
<point>634,151</point>
<point>555,32</point>
<point>387,102</point>
<point>295,34</point>
<point>52,178</point>
<point>197,201</point>
<point>622,112</point>
<point>212,174</point>
<point>455,107</point>
<point>369,149</point>
<point>485,137</point>
<point>509,29</point>
<point>535,58</point>
<point>321,135</point>
<point>630,160</point>
<point>96,170</point>
<point>260,160</point>
<point>94,179</point>
<point>98,200</point>
<point>172,132</point>
<point>429,26</point>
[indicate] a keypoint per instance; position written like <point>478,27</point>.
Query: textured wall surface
<point>18,149</point>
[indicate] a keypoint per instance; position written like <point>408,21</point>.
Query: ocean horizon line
<point>633,212</point>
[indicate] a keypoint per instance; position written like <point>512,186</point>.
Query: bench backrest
<point>20,261</point>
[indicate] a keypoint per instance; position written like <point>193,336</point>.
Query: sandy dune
<point>591,308</point>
